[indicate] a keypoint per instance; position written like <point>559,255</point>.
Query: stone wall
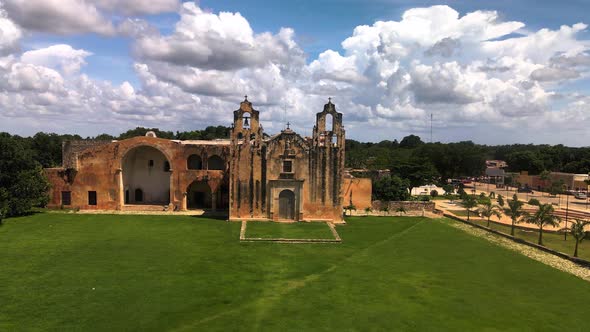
<point>71,149</point>
<point>357,190</point>
<point>407,205</point>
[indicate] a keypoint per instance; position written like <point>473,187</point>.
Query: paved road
<point>561,201</point>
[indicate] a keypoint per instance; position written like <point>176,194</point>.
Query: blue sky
<point>387,89</point>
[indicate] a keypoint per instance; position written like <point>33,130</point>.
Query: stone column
<point>121,202</point>
<point>172,196</point>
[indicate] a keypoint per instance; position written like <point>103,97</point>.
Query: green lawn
<point>63,272</point>
<point>313,230</point>
<point>551,240</point>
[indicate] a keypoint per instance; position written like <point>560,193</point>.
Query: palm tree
<point>543,216</point>
<point>400,210</point>
<point>469,202</point>
<point>578,232</point>
<point>488,210</point>
<point>514,211</point>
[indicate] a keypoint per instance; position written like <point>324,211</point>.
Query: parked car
<point>580,195</point>
<point>525,190</point>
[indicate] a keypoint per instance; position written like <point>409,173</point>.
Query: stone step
<point>144,207</point>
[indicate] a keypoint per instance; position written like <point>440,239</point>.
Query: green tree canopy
<point>21,179</point>
<point>391,188</point>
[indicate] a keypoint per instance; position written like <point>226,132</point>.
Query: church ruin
<point>252,176</point>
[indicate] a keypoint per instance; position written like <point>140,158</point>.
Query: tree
<point>543,217</point>
<point>578,233</point>
<point>500,201</point>
<point>410,141</point>
<point>462,193</point>
<point>3,204</point>
<point>21,178</point>
<point>488,210</point>
<point>449,189</point>
<point>349,208</point>
<point>534,201</point>
<point>469,202</point>
<point>515,212</point>
<point>417,171</point>
<point>525,161</point>
<point>141,131</point>
<point>556,187</point>
<point>391,188</point>
<point>400,210</point>
<point>544,176</point>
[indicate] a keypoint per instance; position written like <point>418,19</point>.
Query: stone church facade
<point>251,175</point>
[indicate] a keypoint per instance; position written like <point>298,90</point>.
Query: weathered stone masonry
<point>253,176</point>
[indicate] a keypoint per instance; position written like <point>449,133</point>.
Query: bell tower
<point>327,163</point>
<point>246,126</point>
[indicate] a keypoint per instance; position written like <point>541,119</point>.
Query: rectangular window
<point>287,166</point>
<point>92,198</point>
<point>66,198</point>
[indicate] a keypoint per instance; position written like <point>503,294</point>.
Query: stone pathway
<point>536,254</point>
<point>243,237</point>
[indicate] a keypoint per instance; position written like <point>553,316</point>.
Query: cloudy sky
<point>493,72</point>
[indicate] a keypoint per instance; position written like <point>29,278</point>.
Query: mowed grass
<point>152,273</point>
<point>311,230</point>
<point>551,240</point>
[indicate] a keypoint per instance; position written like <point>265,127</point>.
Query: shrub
<point>534,201</point>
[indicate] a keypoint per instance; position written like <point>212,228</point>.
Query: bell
<point>246,123</point>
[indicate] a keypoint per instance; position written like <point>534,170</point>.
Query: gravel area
<point>536,254</point>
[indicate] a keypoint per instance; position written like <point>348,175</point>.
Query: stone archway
<point>146,176</point>
<point>287,205</point>
<point>199,196</point>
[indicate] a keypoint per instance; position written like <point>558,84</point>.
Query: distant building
<point>496,163</point>
<point>570,181</point>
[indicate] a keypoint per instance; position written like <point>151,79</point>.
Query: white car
<point>580,195</point>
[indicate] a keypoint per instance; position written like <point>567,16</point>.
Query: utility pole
<point>567,205</point>
<point>431,128</point>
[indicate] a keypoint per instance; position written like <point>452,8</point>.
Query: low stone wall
<point>409,206</point>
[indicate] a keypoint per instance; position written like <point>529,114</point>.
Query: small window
<point>194,162</point>
<point>92,198</point>
<point>216,163</point>
<point>151,163</point>
<point>166,166</point>
<point>66,198</point>
<point>287,166</point>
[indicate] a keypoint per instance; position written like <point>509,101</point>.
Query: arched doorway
<point>146,177</point>
<point>287,205</point>
<point>222,197</point>
<point>199,196</point>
